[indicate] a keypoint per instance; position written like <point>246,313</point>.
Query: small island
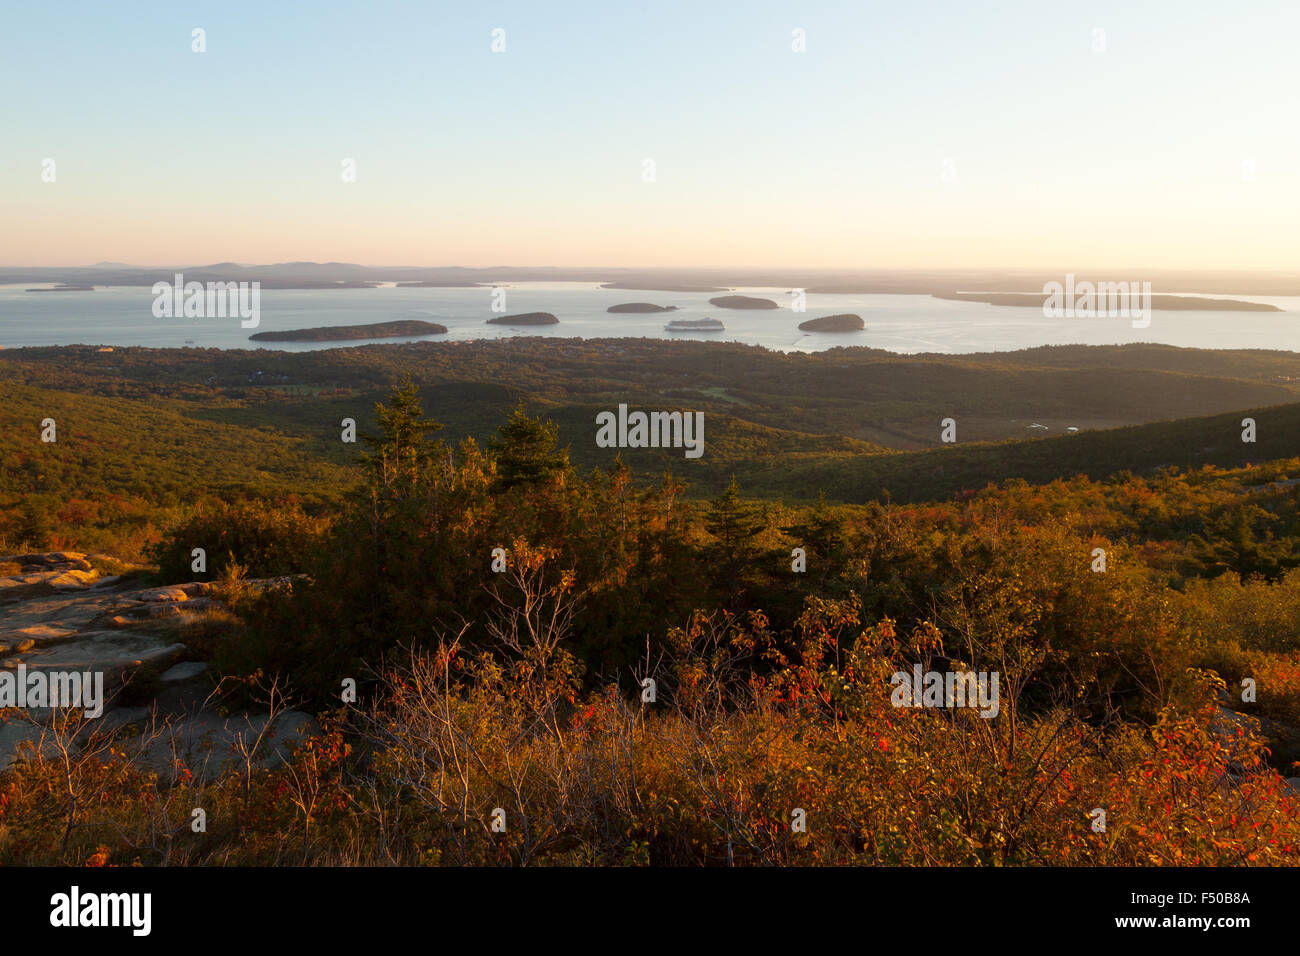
<point>641,307</point>
<point>694,325</point>
<point>742,302</point>
<point>843,322</point>
<point>525,318</point>
<point>66,288</point>
<point>337,333</point>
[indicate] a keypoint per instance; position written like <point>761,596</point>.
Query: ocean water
<point>121,316</point>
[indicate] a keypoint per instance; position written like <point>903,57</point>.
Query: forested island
<point>338,333</point>
<point>641,307</point>
<point>742,302</point>
<point>844,322</point>
<point>525,318</point>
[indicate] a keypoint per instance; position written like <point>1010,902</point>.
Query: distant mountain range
<point>862,281</point>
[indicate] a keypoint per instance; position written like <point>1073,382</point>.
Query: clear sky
<point>909,134</point>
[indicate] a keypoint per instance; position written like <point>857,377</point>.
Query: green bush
<point>266,541</point>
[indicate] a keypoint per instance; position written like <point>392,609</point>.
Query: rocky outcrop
<point>45,561</point>
<point>59,614</point>
<point>30,575</point>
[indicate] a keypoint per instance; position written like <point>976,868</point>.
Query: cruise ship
<point>695,325</point>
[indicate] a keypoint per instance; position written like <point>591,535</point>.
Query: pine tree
<point>526,451</point>
<point>402,453</point>
<point>735,525</point>
<point>822,534</point>
<point>34,523</point>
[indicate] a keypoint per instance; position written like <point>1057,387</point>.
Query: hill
<point>1140,450</point>
<point>157,428</point>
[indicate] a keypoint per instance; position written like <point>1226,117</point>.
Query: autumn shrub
<point>561,670</point>
<point>1277,686</point>
<point>466,758</point>
<point>267,541</point>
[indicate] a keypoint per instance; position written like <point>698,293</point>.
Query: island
<point>434,284</point>
<point>641,307</point>
<point>336,333</point>
<point>742,302</point>
<point>525,318</point>
<point>843,322</point>
<point>66,288</point>
<point>694,325</point>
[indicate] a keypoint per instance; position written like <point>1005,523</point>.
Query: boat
<point>695,325</point>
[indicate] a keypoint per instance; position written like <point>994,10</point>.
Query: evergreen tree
<point>402,453</point>
<point>527,452</point>
<point>822,534</point>
<point>735,525</point>
<point>34,522</point>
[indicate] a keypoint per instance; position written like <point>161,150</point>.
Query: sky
<point>904,135</point>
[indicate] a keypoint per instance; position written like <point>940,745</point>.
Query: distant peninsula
<point>525,318</point>
<point>299,284</point>
<point>1160,303</point>
<point>862,281</point>
<point>844,322</point>
<point>742,302</point>
<point>66,288</point>
<point>337,333</point>
<point>641,307</point>
<point>434,284</point>
<point>630,286</point>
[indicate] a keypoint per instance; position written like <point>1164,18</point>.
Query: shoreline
<point>621,344</point>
